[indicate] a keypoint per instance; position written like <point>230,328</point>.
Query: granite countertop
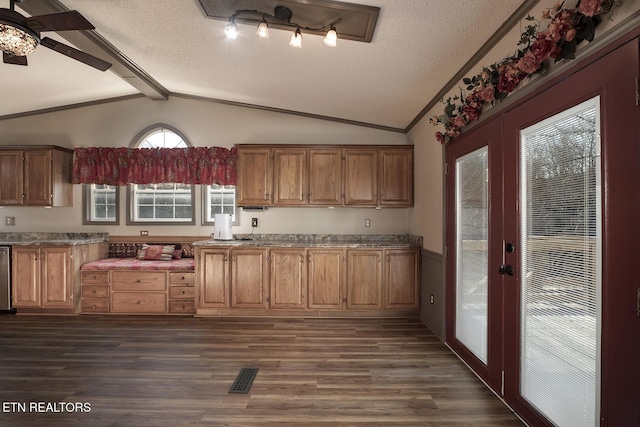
<point>51,239</point>
<point>318,241</point>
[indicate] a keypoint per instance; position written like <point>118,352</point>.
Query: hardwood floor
<point>177,371</point>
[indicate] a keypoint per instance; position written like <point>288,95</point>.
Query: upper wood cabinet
<point>361,177</point>
<point>255,177</point>
<point>325,176</point>
<point>396,177</point>
<point>290,177</point>
<point>38,176</point>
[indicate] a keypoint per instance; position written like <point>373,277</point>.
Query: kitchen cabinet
<point>364,279</point>
<point>255,177</point>
<point>361,177</point>
<point>290,177</point>
<point>38,176</point>
<point>249,273</point>
<point>310,175</point>
<point>43,277</point>
<point>288,279</point>
<point>401,278</point>
<point>396,177</point>
<point>213,279</point>
<point>325,177</point>
<point>326,269</point>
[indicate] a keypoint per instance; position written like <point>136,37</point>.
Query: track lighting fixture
<point>296,39</point>
<point>263,28</point>
<point>280,18</point>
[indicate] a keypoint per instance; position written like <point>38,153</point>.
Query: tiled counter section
<point>46,269</point>
<point>308,275</point>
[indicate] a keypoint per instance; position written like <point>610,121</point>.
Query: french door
<point>543,208</point>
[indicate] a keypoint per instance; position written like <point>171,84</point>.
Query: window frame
<point>88,206</point>
<point>139,139</point>
<point>206,218</point>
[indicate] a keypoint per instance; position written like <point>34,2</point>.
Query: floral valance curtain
<point>123,166</point>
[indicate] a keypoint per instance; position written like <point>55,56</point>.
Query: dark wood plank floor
<point>177,371</point>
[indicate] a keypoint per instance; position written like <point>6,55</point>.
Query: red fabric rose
<point>471,113</point>
<point>590,7</point>
<point>488,93</point>
<point>440,137</point>
<point>528,63</point>
<point>542,48</point>
<point>458,121</point>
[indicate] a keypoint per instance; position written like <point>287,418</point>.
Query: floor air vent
<point>243,381</point>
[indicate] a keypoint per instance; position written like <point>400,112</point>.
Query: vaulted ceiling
<point>171,48</point>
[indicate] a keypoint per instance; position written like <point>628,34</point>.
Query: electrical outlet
<point>144,233</point>
<point>254,222</point>
<point>10,220</point>
<point>367,223</point>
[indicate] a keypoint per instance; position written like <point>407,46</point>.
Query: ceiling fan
<point>20,35</point>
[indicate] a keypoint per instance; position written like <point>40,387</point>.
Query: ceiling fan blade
<point>12,59</point>
<point>74,53</point>
<point>63,21</point>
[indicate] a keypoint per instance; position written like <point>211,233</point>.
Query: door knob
<point>506,269</point>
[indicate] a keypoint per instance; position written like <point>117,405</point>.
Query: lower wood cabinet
<point>47,278</point>
<point>364,279</point>
<point>262,281</point>
<point>249,272</point>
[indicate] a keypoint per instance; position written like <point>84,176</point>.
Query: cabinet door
<point>361,177</point>
<point>325,177</point>
<point>11,175</point>
<point>288,279</point>
<point>290,177</point>
<point>254,177</point>
<point>212,281</point>
<point>37,178</point>
<point>326,278</point>
<point>57,277</point>
<point>26,277</point>
<point>401,278</point>
<point>364,279</point>
<point>249,271</point>
<point>396,177</point>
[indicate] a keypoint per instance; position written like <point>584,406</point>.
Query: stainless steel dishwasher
<point>5,278</point>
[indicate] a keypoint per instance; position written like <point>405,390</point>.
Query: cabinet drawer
<point>91,277</point>
<point>182,292</point>
<point>182,307</point>
<point>139,302</point>
<point>184,277</point>
<point>95,291</point>
<point>139,281</point>
<point>95,305</point>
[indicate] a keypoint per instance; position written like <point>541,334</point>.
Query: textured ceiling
<point>418,45</point>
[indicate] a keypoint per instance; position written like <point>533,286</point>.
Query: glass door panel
<point>472,226</point>
<point>561,265</point>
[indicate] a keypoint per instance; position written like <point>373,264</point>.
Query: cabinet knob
<point>94,292</point>
<point>138,281</point>
<point>182,278</point>
<point>184,307</point>
<point>137,302</point>
<point>94,277</point>
<point>94,306</point>
<point>182,292</point>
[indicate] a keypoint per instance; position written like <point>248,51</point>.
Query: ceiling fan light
<point>331,39</point>
<point>296,39</point>
<point>16,40</point>
<point>263,29</point>
<point>231,30</point>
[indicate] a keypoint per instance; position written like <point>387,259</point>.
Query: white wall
<point>204,124</point>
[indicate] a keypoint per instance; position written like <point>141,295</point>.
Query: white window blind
<point>561,265</point>
<point>472,228</point>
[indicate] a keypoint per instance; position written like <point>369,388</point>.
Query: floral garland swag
<point>565,30</point>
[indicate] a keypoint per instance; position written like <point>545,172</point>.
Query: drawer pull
<point>138,281</point>
<point>95,306</point>
<point>94,277</point>
<point>182,292</point>
<point>184,307</point>
<point>137,302</point>
<point>94,292</point>
<point>182,278</point>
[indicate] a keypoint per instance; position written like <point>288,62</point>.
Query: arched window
<point>171,203</point>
